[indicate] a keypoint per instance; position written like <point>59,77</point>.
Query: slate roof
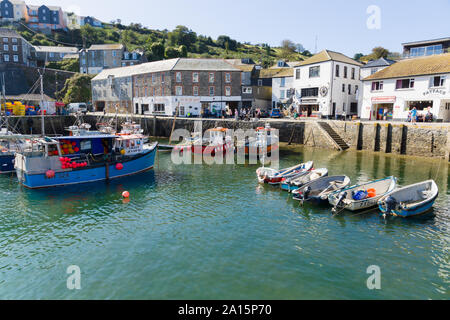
<point>187,64</point>
<point>114,46</point>
<point>382,62</point>
<point>328,55</point>
<point>436,64</point>
<point>69,50</point>
<point>5,32</point>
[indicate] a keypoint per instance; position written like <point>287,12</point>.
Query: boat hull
<point>90,174</point>
<point>7,163</point>
<point>417,211</point>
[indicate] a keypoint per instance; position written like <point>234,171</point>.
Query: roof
<point>114,46</point>
<point>286,72</point>
<point>436,64</point>
<point>204,65</point>
<point>71,56</point>
<point>17,1</point>
<point>29,97</point>
<point>327,55</point>
<point>149,67</point>
<point>269,73</point>
<point>244,67</point>
<point>425,41</point>
<point>5,32</point>
<point>382,62</point>
<point>56,49</point>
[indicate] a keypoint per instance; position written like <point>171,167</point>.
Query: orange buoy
<point>125,194</point>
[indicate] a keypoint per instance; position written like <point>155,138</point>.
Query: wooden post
<point>174,121</point>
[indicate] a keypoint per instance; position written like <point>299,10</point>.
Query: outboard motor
<point>306,192</point>
<point>339,203</point>
<point>391,204</point>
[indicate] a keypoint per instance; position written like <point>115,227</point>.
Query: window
<point>211,91</point>
<point>163,77</point>
<point>377,86</point>
<point>114,53</point>
<point>429,50</point>
<point>159,107</point>
<point>373,70</point>
<point>51,54</point>
<point>260,82</point>
<point>356,89</point>
<point>227,77</point>
<point>247,90</point>
<point>195,77</point>
<point>349,89</point>
<point>15,48</point>
<point>14,40</point>
<point>16,58</point>
<point>178,76</point>
<point>228,91</point>
<point>404,84</point>
<point>353,108</point>
<point>282,94</point>
<point>61,55</point>
<point>211,78</point>
<point>5,47</point>
<point>345,72</point>
<point>6,57</point>
<point>343,88</point>
<point>314,72</point>
<point>310,92</point>
<point>353,73</point>
<point>337,71</point>
<point>282,82</point>
<point>195,90</point>
<point>153,78</point>
<point>5,40</point>
<point>438,81</point>
<point>297,74</point>
<point>179,90</point>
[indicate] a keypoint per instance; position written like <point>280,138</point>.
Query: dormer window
<point>280,64</point>
<point>404,84</point>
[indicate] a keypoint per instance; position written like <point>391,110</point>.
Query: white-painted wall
<point>279,92</point>
<point>333,85</point>
<point>422,91</point>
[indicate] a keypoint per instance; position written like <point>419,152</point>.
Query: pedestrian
<point>236,115</point>
<point>344,116</point>
<point>414,115</point>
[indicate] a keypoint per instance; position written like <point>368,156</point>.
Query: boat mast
<point>42,104</point>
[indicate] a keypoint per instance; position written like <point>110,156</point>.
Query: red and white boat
<point>274,177</point>
<point>215,141</point>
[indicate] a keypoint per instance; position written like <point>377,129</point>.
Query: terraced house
<point>15,49</point>
<point>45,18</point>
<point>187,86</point>
<point>12,10</point>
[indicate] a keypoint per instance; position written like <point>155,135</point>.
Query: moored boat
<point>81,159</point>
<point>318,190</point>
<point>363,196</point>
<point>274,177</point>
<point>295,183</point>
<point>410,201</point>
<point>215,141</point>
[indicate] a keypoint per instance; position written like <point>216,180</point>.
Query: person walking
<point>414,116</point>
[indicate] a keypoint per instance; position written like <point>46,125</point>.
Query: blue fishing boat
<point>80,159</point>
<point>410,201</point>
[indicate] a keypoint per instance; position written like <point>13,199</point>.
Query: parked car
<point>78,107</point>
<point>276,113</point>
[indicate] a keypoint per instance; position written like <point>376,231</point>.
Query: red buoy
<point>119,166</point>
<point>125,194</point>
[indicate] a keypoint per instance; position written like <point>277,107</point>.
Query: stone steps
<point>337,139</point>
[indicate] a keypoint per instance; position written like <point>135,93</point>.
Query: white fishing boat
<point>410,201</point>
<point>274,177</point>
<point>317,191</point>
<point>295,183</point>
<point>363,196</point>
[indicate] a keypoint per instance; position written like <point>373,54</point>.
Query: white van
<point>77,107</point>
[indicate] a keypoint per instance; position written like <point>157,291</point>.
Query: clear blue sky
<point>339,25</point>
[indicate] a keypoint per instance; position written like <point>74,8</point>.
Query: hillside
<point>162,44</point>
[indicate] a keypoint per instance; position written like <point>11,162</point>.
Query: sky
<point>347,26</point>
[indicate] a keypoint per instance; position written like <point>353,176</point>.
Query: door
<point>334,109</point>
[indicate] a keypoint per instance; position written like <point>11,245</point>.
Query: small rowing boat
<point>363,196</point>
<point>318,190</point>
<point>274,177</point>
<point>410,201</point>
<point>295,183</point>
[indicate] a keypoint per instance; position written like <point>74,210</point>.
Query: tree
<point>358,56</point>
<point>157,50</point>
<point>172,52</point>
<point>183,51</point>
<point>288,48</point>
<point>72,65</point>
<point>380,52</point>
<point>299,48</point>
<point>226,41</point>
<point>76,89</point>
<point>182,35</point>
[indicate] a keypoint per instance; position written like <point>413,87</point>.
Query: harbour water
<point>211,232</point>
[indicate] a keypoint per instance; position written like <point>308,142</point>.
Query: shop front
<point>382,108</point>
<point>309,108</point>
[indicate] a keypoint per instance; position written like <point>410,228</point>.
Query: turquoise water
<point>211,232</point>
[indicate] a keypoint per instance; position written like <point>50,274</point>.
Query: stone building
<point>191,86</point>
<point>15,49</point>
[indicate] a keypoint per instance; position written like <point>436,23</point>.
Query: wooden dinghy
<point>318,190</point>
<point>410,201</point>
<point>274,177</point>
<point>363,196</point>
<point>295,183</point>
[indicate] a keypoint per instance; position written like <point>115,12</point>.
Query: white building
<point>374,66</point>
<point>327,85</point>
<point>422,83</point>
<point>282,88</point>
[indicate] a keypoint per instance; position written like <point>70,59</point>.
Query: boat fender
<point>50,174</point>
<point>119,166</point>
